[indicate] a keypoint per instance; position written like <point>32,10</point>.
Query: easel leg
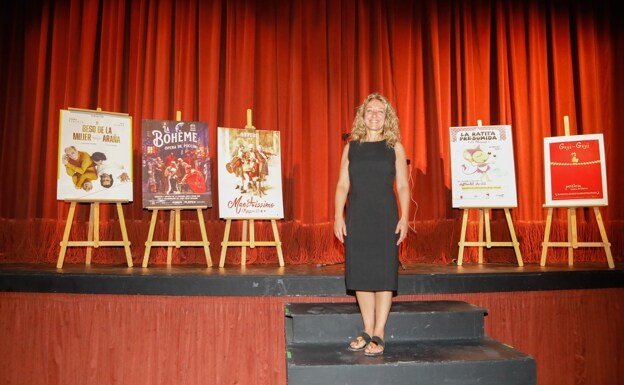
<point>96,225</point>
<point>178,230</point>
<point>65,241</point>
<point>546,237</point>
<point>170,238</point>
<point>278,243</point>
<point>603,235</point>
<point>202,229</point>
<point>252,234</point>
<point>574,230</point>
<point>571,235</point>
<point>480,260</point>
<point>124,234</point>
<point>462,238</point>
<point>488,231</point>
<point>224,244</point>
<point>90,233</point>
<point>150,237</point>
<point>243,247</point>
<point>514,239</point>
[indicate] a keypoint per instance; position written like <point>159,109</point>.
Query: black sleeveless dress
<point>371,252</point>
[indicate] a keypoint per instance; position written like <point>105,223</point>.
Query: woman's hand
<point>340,229</point>
<point>401,229</point>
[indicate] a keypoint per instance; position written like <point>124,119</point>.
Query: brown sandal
<point>362,337</point>
<point>379,342</point>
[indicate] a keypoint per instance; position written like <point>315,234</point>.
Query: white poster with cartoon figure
<point>482,167</point>
<point>250,174</point>
<point>95,156</point>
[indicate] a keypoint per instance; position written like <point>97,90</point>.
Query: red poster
<point>575,170</point>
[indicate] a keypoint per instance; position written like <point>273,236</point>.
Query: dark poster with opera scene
<point>175,164</point>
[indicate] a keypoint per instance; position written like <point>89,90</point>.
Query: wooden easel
<point>174,228</point>
<point>244,243</point>
<point>572,242</point>
<point>93,236</point>
<point>484,216</point>
<point>484,213</point>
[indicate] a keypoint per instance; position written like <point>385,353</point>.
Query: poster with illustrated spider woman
<point>95,156</point>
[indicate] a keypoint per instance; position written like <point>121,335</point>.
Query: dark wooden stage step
<point>427,342</point>
<point>424,320</point>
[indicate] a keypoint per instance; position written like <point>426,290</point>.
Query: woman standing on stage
<point>371,164</point>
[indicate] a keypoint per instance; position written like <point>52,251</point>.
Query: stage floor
<point>300,280</point>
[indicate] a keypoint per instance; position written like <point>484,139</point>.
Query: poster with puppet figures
<point>95,156</point>
<point>482,167</point>
<point>175,164</point>
<point>250,174</point>
<point>575,171</point>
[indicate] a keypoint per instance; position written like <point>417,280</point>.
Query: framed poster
<point>482,167</point>
<point>95,156</point>
<point>250,174</point>
<point>575,171</point>
<point>175,164</point>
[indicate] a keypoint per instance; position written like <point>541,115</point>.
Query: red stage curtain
<point>303,67</point>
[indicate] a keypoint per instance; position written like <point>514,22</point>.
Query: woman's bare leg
<point>366,302</point>
<point>383,302</point>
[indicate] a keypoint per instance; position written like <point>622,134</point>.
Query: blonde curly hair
<point>390,134</point>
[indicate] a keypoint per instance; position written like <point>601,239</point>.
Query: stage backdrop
<point>303,67</point>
